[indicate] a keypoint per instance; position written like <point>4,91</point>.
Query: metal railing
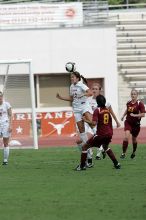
<point>95,12</point>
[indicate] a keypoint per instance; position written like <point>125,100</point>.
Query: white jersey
<point>93,103</point>
<point>77,91</point>
<point>4,112</point>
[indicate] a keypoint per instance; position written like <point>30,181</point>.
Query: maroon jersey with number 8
<point>104,122</point>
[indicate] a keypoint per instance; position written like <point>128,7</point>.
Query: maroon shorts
<point>97,141</point>
<point>134,129</point>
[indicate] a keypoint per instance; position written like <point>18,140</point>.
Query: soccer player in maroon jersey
<point>135,110</point>
<point>102,117</point>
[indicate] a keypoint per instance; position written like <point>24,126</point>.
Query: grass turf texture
<point>39,185</point>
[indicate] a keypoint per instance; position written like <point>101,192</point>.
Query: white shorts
<point>78,115</point>
<point>88,129</point>
<point>4,130</point>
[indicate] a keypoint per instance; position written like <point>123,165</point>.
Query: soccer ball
<point>70,67</point>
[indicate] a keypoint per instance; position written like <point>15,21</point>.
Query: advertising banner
<point>37,15</point>
<point>48,123</point>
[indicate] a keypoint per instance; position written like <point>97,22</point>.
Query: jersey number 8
<point>106,119</point>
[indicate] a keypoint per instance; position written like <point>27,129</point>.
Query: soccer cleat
<point>103,154</point>
<point>132,155</point>
<point>80,168</point>
<point>89,165</point>
<point>117,166</point>
<point>5,163</point>
<point>122,156</point>
<point>98,158</point>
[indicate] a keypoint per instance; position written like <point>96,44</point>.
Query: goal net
<point>17,85</point>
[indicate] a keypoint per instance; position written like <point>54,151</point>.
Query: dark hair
<point>79,76</point>
<point>1,94</point>
<point>100,99</point>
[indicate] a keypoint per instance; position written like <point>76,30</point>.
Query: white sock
<point>101,148</point>
<point>89,153</point>
<point>99,151</point>
<point>6,154</point>
<point>84,137</point>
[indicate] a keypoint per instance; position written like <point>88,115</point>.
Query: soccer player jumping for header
<point>102,117</point>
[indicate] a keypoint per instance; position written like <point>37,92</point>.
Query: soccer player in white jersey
<point>96,91</point>
<point>79,92</point>
<point>5,126</point>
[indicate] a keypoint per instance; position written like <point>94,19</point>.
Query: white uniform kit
<point>80,102</point>
<point>4,119</point>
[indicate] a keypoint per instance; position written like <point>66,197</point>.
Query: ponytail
<point>84,80</point>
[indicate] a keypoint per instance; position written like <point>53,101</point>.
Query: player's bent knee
<point>126,139</point>
<point>85,147</point>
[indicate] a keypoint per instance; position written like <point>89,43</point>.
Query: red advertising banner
<point>57,123</point>
<point>48,123</point>
<point>21,125</point>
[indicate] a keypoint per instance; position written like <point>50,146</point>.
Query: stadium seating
<point>131,52</point>
<point>131,41</point>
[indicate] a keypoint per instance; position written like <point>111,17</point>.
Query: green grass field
<point>41,184</point>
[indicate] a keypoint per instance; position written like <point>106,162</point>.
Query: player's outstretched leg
<point>82,165</point>
<point>113,158</point>
<point>125,143</point>
<point>134,150</point>
<point>79,144</point>
<point>89,162</point>
<point>5,151</point>
<point>99,152</point>
<point>124,148</point>
<point>6,155</point>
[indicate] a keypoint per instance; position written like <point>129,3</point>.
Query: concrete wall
<point>93,50</point>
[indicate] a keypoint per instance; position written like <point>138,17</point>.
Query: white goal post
<point>9,85</point>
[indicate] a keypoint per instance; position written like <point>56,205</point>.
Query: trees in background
<point>111,2</point>
<point>118,2</point>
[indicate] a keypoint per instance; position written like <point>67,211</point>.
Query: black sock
<point>83,158</point>
<point>134,147</point>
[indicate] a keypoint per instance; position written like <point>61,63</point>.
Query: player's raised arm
<point>69,98</point>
